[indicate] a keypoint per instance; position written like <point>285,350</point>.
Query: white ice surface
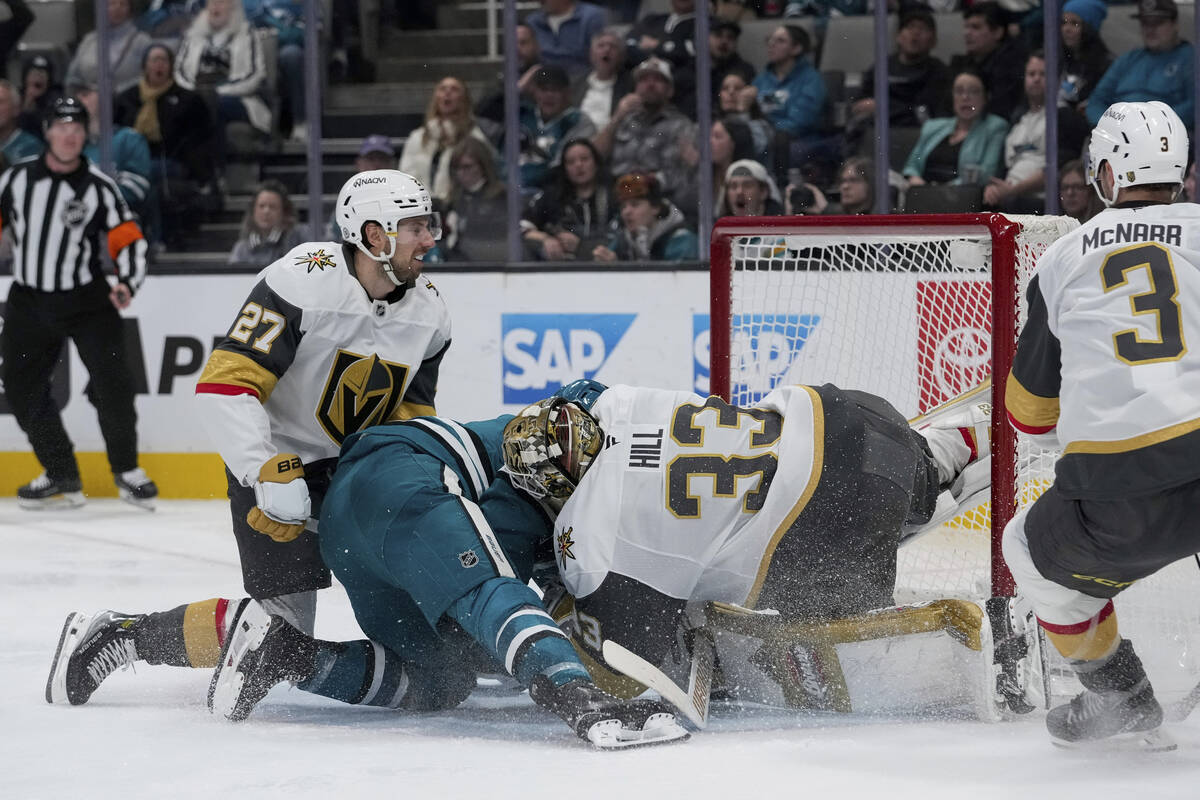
<point>147,734</point>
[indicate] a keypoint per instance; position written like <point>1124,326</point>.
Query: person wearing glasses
<point>1075,197</point>
<point>966,148</point>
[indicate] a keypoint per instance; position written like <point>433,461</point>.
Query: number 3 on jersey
<point>688,431</point>
<point>1159,301</point>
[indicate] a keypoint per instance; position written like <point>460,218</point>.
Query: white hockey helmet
<point>1142,142</point>
<point>383,196</point>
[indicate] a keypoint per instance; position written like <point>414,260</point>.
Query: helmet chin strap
<point>384,258</point>
<point>1097,185</point>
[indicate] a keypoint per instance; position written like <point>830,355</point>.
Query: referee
<point>56,209</point>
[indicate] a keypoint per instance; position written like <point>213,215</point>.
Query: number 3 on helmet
<point>385,197</point>
<point>1143,143</point>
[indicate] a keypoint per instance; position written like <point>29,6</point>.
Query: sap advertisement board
<point>520,336</point>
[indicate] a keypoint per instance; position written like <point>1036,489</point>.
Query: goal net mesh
<point>906,313</point>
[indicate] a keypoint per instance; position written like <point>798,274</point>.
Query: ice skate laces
<point>111,657</point>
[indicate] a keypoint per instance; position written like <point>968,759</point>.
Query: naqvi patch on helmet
<point>315,260</point>
<point>468,559</point>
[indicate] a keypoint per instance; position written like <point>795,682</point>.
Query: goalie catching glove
<point>282,505</point>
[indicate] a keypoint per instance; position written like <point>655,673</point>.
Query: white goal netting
<point>906,312</point>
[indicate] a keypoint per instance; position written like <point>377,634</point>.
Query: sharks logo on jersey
<point>360,391</point>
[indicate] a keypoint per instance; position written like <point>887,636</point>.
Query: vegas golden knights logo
<point>360,391</point>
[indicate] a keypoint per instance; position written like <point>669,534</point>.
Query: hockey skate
<point>136,488</point>
<point>260,652</point>
<point>42,493</point>
<point>1117,709</point>
<point>605,721</point>
<point>89,650</point>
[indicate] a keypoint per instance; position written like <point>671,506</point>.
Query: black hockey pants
<point>36,325</point>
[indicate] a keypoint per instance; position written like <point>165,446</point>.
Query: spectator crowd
<point>608,159</point>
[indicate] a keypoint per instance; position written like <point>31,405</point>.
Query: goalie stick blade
<point>1153,741</point>
<point>610,734</point>
<point>694,707</point>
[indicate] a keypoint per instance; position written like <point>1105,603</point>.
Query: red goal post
<point>915,308</point>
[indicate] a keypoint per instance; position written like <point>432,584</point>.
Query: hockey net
<point>918,309</point>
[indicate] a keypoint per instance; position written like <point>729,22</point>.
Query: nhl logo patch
<point>468,559</point>
<point>74,213</point>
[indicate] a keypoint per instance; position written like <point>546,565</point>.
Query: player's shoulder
<point>621,400</point>
<point>100,176</point>
<point>311,273</point>
<point>427,292</point>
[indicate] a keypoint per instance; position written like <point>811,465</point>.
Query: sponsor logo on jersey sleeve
<point>764,348</point>
<point>543,352</point>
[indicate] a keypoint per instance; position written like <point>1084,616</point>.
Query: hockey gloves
<point>281,498</point>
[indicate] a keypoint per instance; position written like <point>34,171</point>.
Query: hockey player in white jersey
<point>1104,363</point>
<point>666,500</point>
<point>331,339</point>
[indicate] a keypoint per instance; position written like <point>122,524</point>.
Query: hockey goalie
<point>771,532</point>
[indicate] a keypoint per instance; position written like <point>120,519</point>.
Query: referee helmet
<point>67,109</point>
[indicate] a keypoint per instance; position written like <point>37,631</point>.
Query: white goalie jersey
<point>687,500</point>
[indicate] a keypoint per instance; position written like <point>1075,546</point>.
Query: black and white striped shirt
<point>56,221</point>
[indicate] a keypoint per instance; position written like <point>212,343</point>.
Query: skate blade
<point>1151,741</point>
<point>146,504</point>
<point>53,503</point>
<point>610,734</point>
<point>56,684</point>
<point>245,635</point>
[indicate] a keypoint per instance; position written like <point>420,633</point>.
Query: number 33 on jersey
<point>678,500</point>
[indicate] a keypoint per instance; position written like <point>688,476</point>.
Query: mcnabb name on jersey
<point>1132,232</point>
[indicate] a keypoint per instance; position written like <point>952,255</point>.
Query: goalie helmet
<point>385,197</point>
<point>549,446</point>
<point>1142,142</point>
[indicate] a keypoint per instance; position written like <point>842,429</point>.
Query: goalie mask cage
<point>916,309</point>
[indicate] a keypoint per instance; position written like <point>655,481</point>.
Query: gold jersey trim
<point>813,479</point>
<point>406,411</point>
<point>1027,408</point>
<point>1135,442</point>
<point>235,369</point>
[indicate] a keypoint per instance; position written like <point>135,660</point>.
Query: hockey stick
<point>693,702</point>
<point>1179,711</point>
